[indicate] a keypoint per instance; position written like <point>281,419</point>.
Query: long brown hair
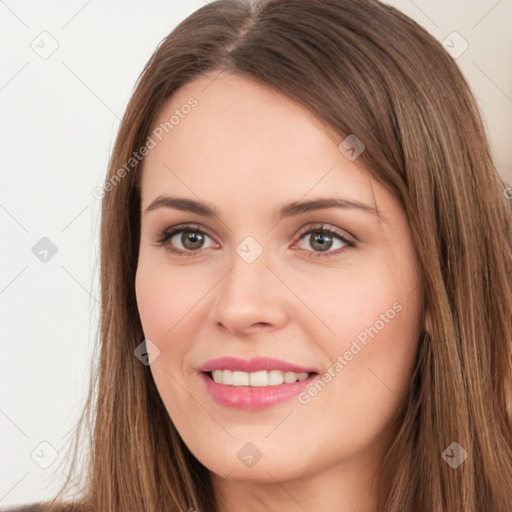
<point>362,68</point>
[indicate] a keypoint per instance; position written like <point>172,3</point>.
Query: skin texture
<point>248,150</point>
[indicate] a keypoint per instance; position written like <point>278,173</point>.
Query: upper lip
<point>252,365</point>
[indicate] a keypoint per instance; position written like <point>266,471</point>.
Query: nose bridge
<point>249,293</point>
<point>249,275</point>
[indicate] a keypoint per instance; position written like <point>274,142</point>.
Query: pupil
<point>193,237</point>
<point>324,240</point>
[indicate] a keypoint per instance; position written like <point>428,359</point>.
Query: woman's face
<point>255,282</point>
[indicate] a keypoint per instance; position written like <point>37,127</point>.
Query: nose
<point>250,298</point>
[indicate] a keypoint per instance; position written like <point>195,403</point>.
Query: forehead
<point>245,142</point>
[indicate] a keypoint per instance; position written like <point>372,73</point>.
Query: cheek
<point>163,299</point>
<point>164,304</point>
<point>361,390</point>
<point>375,351</point>
<point>373,319</point>
<point>375,363</point>
<point>342,303</point>
<point>171,313</point>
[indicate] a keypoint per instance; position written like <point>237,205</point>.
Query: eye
<point>322,239</point>
<point>191,236</point>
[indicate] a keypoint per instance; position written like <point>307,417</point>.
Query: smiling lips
<point>258,383</point>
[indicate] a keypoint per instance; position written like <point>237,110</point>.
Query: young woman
<point>306,275</point>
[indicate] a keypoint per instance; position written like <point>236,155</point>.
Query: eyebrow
<point>287,210</point>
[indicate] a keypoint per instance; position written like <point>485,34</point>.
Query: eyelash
<point>169,233</point>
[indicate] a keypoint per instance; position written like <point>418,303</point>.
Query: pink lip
<point>247,397</point>
<point>253,365</point>
<point>253,397</point>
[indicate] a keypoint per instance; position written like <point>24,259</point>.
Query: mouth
<point>261,378</point>
<point>256,383</point>
<point>255,390</point>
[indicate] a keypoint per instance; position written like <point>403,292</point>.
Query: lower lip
<point>254,397</point>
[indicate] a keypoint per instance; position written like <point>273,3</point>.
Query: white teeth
<point>240,379</point>
<point>226,376</point>
<point>290,377</point>
<point>256,379</point>
<point>275,377</point>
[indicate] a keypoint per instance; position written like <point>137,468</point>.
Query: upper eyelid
<point>337,231</point>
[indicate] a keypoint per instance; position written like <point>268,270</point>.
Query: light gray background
<point>59,118</point>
